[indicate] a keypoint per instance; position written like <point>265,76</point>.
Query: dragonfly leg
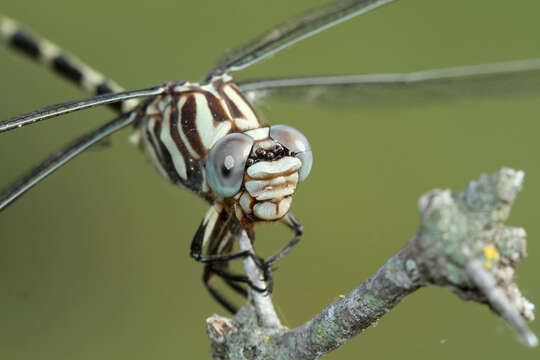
<point>231,279</point>
<point>216,236</point>
<point>292,223</point>
<point>216,259</point>
<point>210,270</point>
<point>239,289</point>
<point>211,234</point>
<point>208,274</point>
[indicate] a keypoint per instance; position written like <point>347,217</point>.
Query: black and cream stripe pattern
<point>179,128</point>
<point>64,64</point>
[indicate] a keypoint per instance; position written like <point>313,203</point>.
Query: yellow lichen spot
<point>491,254</point>
<point>266,338</point>
<point>319,331</point>
<point>341,296</point>
<point>286,327</point>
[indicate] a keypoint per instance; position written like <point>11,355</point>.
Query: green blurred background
<point>94,261</point>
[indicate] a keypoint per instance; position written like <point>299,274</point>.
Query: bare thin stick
<point>500,302</point>
<point>261,301</point>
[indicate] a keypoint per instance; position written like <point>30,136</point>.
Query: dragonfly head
<point>259,170</point>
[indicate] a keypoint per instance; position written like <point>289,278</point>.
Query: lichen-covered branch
<point>462,244</point>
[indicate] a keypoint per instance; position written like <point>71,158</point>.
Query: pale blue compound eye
<point>226,162</point>
<point>297,143</point>
<point>307,161</point>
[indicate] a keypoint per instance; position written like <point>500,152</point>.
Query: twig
<point>500,302</point>
<point>462,244</point>
<point>261,301</point>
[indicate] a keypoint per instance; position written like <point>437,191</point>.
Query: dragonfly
<point>207,137</point>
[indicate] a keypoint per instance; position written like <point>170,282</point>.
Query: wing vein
<point>77,105</point>
<point>293,31</point>
<point>61,157</point>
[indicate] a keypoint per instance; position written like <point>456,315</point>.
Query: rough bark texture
<point>462,244</point>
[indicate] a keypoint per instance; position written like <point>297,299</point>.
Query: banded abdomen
<point>181,126</point>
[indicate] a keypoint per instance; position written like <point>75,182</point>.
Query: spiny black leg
<point>292,222</point>
<point>267,276</point>
<point>232,278</point>
<point>259,262</point>
<point>226,258</point>
<point>213,234</point>
<point>207,277</point>
<point>208,228</point>
<point>240,290</point>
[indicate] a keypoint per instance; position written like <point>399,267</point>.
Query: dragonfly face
<point>260,170</point>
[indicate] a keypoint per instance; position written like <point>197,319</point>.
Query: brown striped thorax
<point>209,139</point>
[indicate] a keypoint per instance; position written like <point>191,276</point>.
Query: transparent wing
<point>65,108</point>
<point>507,78</point>
<point>294,30</point>
<point>62,156</point>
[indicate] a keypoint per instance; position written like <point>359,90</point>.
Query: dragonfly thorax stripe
<point>207,129</point>
<point>180,127</point>
<point>184,129</point>
<point>166,136</point>
<point>191,135</point>
<point>217,108</point>
<point>245,115</point>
